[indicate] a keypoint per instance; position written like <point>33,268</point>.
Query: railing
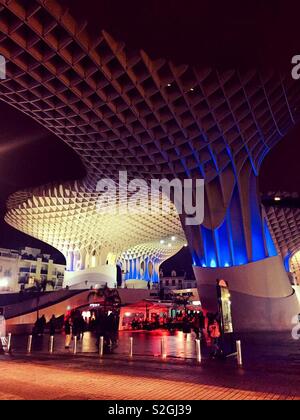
<point>29,305</point>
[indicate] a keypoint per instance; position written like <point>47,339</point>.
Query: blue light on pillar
<point>286,261</point>
<point>146,269</point>
<point>209,245</point>
<point>272,252</point>
<point>213,264</point>
<point>258,249</point>
<point>134,269</point>
<point>236,232</point>
<point>223,244</point>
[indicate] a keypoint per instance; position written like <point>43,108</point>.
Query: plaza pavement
<point>271,370</point>
<point>59,377</point>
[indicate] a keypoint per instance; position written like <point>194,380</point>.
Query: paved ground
<point>272,349</point>
<point>271,371</point>
<point>81,377</point>
<point>178,345</point>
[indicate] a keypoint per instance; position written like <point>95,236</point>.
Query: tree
<point>111,296</point>
<point>39,286</point>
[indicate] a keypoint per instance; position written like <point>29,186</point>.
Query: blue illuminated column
<point>234,243</point>
<point>241,236</point>
<point>130,274</point>
<point>146,269</point>
<point>155,275</point>
<point>287,260</point>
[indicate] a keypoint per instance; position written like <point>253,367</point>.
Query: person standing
<point>77,325</point>
<point>36,329</point>
<point>111,333</point>
<point>100,327</point>
<point>52,325</point>
<point>43,323</point>
<point>210,320</point>
<point>82,327</point>
<point>215,333</point>
<point>196,326</point>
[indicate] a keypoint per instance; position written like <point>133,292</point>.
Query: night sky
<point>30,156</point>
<point>205,33</point>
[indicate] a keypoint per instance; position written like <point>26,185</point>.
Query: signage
<point>225,317</point>
<point>225,306</point>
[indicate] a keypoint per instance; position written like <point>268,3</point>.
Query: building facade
<point>177,283</point>
<point>26,268</point>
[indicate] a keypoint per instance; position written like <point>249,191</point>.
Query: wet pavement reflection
<point>145,343</point>
<point>273,350</point>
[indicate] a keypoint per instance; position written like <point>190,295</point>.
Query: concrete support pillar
<point>262,297</point>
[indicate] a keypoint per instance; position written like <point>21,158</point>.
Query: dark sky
<point>29,156</point>
<point>215,33</point>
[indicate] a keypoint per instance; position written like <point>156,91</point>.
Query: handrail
<point>28,306</point>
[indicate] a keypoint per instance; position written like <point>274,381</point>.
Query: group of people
<point>208,330</point>
<point>41,323</point>
<point>74,326</point>
<point>39,326</point>
<point>106,325</point>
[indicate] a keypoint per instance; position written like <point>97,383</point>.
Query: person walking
<point>67,333</point>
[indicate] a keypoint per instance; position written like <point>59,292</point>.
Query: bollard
<point>198,350</point>
<point>51,344</point>
<point>239,353</point>
<point>163,348</point>
<point>101,344</point>
<point>130,346</point>
<point>75,345</point>
<point>9,342</point>
<point>29,344</point>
